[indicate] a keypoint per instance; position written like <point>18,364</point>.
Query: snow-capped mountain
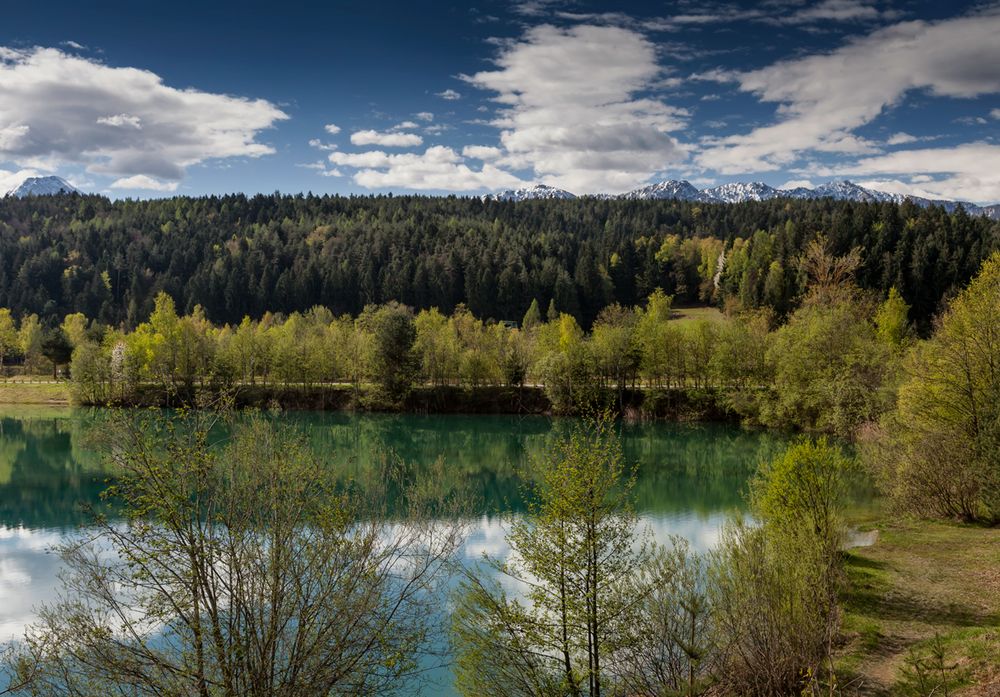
<point>538,191</point>
<point>845,190</point>
<point>43,186</point>
<point>737,192</point>
<point>841,190</point>
<point>682,190</point>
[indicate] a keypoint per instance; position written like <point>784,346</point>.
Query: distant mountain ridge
<point>43,186</point>
<point>734,192</point>
<point>740,192</point>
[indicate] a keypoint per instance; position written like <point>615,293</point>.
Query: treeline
<point>239,256</point>
<point>830,366</point>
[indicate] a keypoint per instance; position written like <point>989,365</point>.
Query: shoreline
<point>686,404</point>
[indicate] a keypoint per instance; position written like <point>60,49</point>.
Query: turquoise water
<point>690,478</point>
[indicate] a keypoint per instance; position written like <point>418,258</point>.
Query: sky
<point>140,99</point>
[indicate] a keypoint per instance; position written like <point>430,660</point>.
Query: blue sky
<point>151,99</point>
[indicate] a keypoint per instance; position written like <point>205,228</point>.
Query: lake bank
<point>687,404</point>
<point>924,585</point>
<point>48,393</point>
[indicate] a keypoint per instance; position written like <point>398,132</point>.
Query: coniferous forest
<point>242,256</point>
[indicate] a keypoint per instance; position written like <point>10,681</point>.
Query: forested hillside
<point>239,255</point>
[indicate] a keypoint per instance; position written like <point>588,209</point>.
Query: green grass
<point>20,392</point>
<point>924,582</point>
<point>694,314</point>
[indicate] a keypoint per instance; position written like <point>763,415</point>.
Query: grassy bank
<point>676,404</point>
<point>923,606</point>
<point>22,392</point>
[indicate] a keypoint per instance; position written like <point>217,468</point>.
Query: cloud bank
<point>57,109</point>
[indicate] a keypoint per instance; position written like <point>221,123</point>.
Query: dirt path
<point>919,581</point>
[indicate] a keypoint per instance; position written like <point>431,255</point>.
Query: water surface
<point>690,478</point>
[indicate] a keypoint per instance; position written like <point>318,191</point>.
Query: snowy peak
<point>845,190</point>
<point>538,191</point>
<point>682,190</point>
<point>43,186</point>
<point>737,192</point>
<point>840,190</point>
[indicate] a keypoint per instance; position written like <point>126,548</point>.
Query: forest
<point>238,256</point>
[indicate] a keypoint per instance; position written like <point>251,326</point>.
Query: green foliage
<point>242,256</point>
<point>579,556</point>
<point>532,317</point>
<point>937,453</point>
<point>775,585</point>
<point>830,371</point>
<point>9,343</point>
<point>245,568</point>
<point>393,362</point>
<point>892,324</point>
<point>927,672</point>
<point>56,347</point>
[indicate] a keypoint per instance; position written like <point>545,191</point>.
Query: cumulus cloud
<point>482,152</point>
<point>823,98</point>
<point>121,121</point>
<point>424,116</point>
<point>58,108</point>
<point>837,11</point>
<point>449,95</point>
<point>569,109</point>
<point>969,172</point>
<point>438,168</point>
<point>320,145</point>
<point>995,114</point>
<point>141,181</point>
<point>11,180</point>
<point>332,128</point>
<point>901,139</point>
<point>387,140</point>
<point>797,183</point>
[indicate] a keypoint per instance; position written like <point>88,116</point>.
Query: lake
<point>690,478</point>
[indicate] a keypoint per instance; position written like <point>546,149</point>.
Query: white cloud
<point>11,136</point>
<point>968,172</point>
<point>405,125</point>
<point>61,100</point>
<point>387,140</point>
<point>449,95</point>
<point>321,169</point>
<point>332,128</point>
<point>835,10</point>
<point>777,13</point>
<point>823,98</point>
<point>797,183</point>
<point>121,121</point>
<point>995,114</point>
<point>320,145</point>
<point>73,44</point>
<point>901,139</point>
<point>11,180</point>
<point>424,116</point>
<point>141,181</point>
<point>482,152</point>
<point>569,110</point>
<point>438,168</point>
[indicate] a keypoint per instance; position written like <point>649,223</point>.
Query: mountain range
<point>735,192</point>
<point>739,192</point>
<point>43,186</point>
